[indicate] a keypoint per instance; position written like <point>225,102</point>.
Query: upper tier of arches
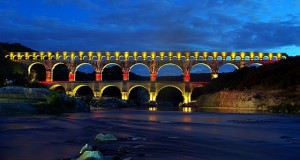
<point>106,55</point>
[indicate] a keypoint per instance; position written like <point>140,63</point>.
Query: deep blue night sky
<point>137,25</point>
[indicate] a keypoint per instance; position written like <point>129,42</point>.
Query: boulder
<point>91,155</point>
<point>105,137</point>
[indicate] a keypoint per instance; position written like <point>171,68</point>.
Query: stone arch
<point>94,58</point>
<point>75,90</point>
<point>65,74</point>
<point>136,65</point>
<point>204,75</point>
<point>274,58</point>
<point>138,95</point>
<point>201,64</point>
<point>210,58</point>
<point>238,58</point>
<point>90,78</point>
<point>219,58</point>
<point>29,67</point>
<point>37,57</point>
<point>169,101</point>
<point>137,86</point>
<point>115,74</point>
<point>170,64</point>
<point>169,72</point>
<point>228,58</point>
<point>85,58</point>
<point>227,64</point>
<point>105,87</point>
<point>58,88</point>
<point>265,58</point>
<point>170,86</point>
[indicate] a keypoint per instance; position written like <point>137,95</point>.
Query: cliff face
<point>246,101</point>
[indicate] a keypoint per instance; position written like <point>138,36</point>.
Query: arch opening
<point>37,72</point>
<point>200,73</point>
<point>58,88</point>
<point>112,71</point>
<point>60,72</point>
<point>169,72</point>
<point>83,91</point>
<point>227,68</point>
<point>85,72</point>
<point>111,91</point>
<point>139,72</point>
<point>138,96</point>
<point>169,98</point>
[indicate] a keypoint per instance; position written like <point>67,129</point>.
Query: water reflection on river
<point>154,135</point>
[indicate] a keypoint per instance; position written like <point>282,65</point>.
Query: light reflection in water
<point>187,119</point>
<point>152,118</point>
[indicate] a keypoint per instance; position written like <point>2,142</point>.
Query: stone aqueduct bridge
<point>126,60</point>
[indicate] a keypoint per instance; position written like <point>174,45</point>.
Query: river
<point>152,135</point>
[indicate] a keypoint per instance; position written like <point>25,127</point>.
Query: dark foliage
<point>170,78</point>
<point>136,77</point>
<point>56,104</point>
<point>112,73</point>
<point>83,76</point>
<point>12,71</point>
<point>280,75</point>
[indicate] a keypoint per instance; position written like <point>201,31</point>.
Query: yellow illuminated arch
<point>201,64</point>
<point>137,86</point>
<point>139,64</point>
<point>83,64</point>
<point>101,92</point>
<point>170,64</point>
<point>170,86</point>
<point>108,65</point>
<point>55,86</point>
<point>229,64</point>
<point>29,68</point>
<point>79,86</point>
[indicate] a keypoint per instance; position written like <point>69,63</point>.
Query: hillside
<point>274,87</point>
<point>14,47</point>
<point>280,75</point>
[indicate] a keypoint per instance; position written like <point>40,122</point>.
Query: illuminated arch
<point>136,87</point>
<point>210,58</point>
<point>85,58</point>
<point>110,64</point>
<point>219,58</point>
<point>22,57</point>
<point>94,58</point>
<point>79,86</point>
<point>170,64</point>
<point>38,57</point>
<point>170,86</point>
<point>139,64</point>
<point>228,58</point>
<point>265,58</point>
<point>81,64</point>
<point>236,67</point>
<point>29,68</point>
<point>274,58</point>
<point>53,68</point>
<point>201,64</point>
<point>107,86</point>
<point>54,87</point>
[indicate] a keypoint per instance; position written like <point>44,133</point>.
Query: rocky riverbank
<point>248,101</point>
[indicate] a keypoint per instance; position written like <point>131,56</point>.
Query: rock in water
<point>91,155</point>
<point>86,147</point>
<point>105,137</point>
